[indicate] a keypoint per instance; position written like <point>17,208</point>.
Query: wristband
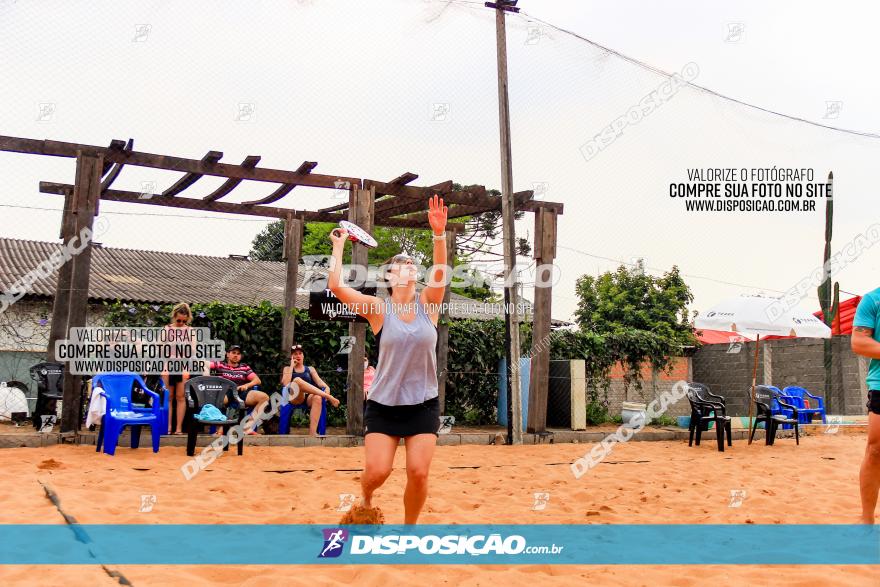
<point>441,237</point>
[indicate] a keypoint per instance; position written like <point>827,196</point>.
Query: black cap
<point>233,347</point>
<point>296,347</point>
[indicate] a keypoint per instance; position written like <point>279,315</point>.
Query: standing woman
<point>181,317</point>
<point>404,400</point>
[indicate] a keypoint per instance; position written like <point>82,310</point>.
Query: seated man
<point>243,377</point>
<point>306,387</point>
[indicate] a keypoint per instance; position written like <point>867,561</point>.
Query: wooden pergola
<point>371,203</point>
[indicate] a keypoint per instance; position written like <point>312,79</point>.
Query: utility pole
<point>508,208</point>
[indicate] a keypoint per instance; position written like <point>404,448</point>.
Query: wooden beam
<point>534,206</point>
<point>472,195</point>
<point>47,187</point>
<point>285,188</point>
<point>186,203</point>
<point>360,211</point>
<point>404,178</point>
<point>190,178</point>
<point>336,208</point>
<point>443,327</point>
<point>111,177</point>
<point>58,326</point>
<point>86,194</point>
<point>460,211</point>
<point>398,205</point>
<point>444,187</point>
<point>62,149</point>
<point>293,236</point>
<point>230,184</point>
<point>115,145</point>
<point>539,376</point>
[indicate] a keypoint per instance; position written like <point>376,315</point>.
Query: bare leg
<point>419,452</point>
<point>181,406</point>
<point>380,449</point>
<point>869,476</point>
<point>258,399</point>
<point>315,407</point>
<point>167,383</point>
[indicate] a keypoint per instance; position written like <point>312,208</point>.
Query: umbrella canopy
<point>753,316</point>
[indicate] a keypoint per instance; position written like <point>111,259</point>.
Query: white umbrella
<point>756,316</point>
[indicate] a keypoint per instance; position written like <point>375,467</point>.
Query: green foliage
<point>475,347</point>
<point>641,318</point>
<point>664,420</point>
<point>597,413</point>
<point>268,244</point>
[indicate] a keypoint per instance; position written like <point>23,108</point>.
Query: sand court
<point>638,483</point>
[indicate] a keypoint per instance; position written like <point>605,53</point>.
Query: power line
<point>659,71</point>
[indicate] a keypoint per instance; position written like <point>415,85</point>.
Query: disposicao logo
<point>334,540</point>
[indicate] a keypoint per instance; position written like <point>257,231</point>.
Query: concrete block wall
<point>794,361</point>
<point>653,385</point>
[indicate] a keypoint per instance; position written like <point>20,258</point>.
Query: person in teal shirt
<point>866,342</point>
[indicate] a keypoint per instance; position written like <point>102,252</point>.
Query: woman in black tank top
<point>306,386</point>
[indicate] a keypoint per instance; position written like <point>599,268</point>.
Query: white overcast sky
<point>352,85</point>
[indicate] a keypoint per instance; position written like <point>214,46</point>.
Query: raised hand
<point>339,236</point>
<point>437,214</point>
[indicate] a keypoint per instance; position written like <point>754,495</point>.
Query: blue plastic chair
<point>117,389</point>
<point>286,412</point>
<point>799,394</point>
<point>778,410</point>
<point>164,408</point>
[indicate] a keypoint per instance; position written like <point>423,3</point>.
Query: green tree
<point>642,318</point>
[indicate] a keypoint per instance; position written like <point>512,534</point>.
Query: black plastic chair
<point>50,380</point>
<point>205,390</point>
<point>764,397</point>
<point>703,413</point>
<point>706,395</point>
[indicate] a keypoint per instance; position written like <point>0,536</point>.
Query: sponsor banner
<point>324,305</point>
<point>441,544</point>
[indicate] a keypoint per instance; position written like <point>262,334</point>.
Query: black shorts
<point>174,380</point>
<point>403,421</point>
<point>873,404</point>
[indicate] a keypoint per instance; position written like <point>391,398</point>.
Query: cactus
<point>829,298</point>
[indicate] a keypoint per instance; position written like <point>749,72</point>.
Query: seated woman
<point>306,387</point>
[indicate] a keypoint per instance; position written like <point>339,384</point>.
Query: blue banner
<point>651,544</point>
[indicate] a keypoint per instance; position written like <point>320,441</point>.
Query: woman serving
<point>404,400</point>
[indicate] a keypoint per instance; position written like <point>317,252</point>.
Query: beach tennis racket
<point>357,234</point>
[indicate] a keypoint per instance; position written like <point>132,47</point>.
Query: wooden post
<point>58,327</point>
<point>87,191</point>
<point>360,211</point>
<point>293,235</point>
<point>751,397</point>
<point>443,326</point>
<point>545,252</point>
<point>508,209</point>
